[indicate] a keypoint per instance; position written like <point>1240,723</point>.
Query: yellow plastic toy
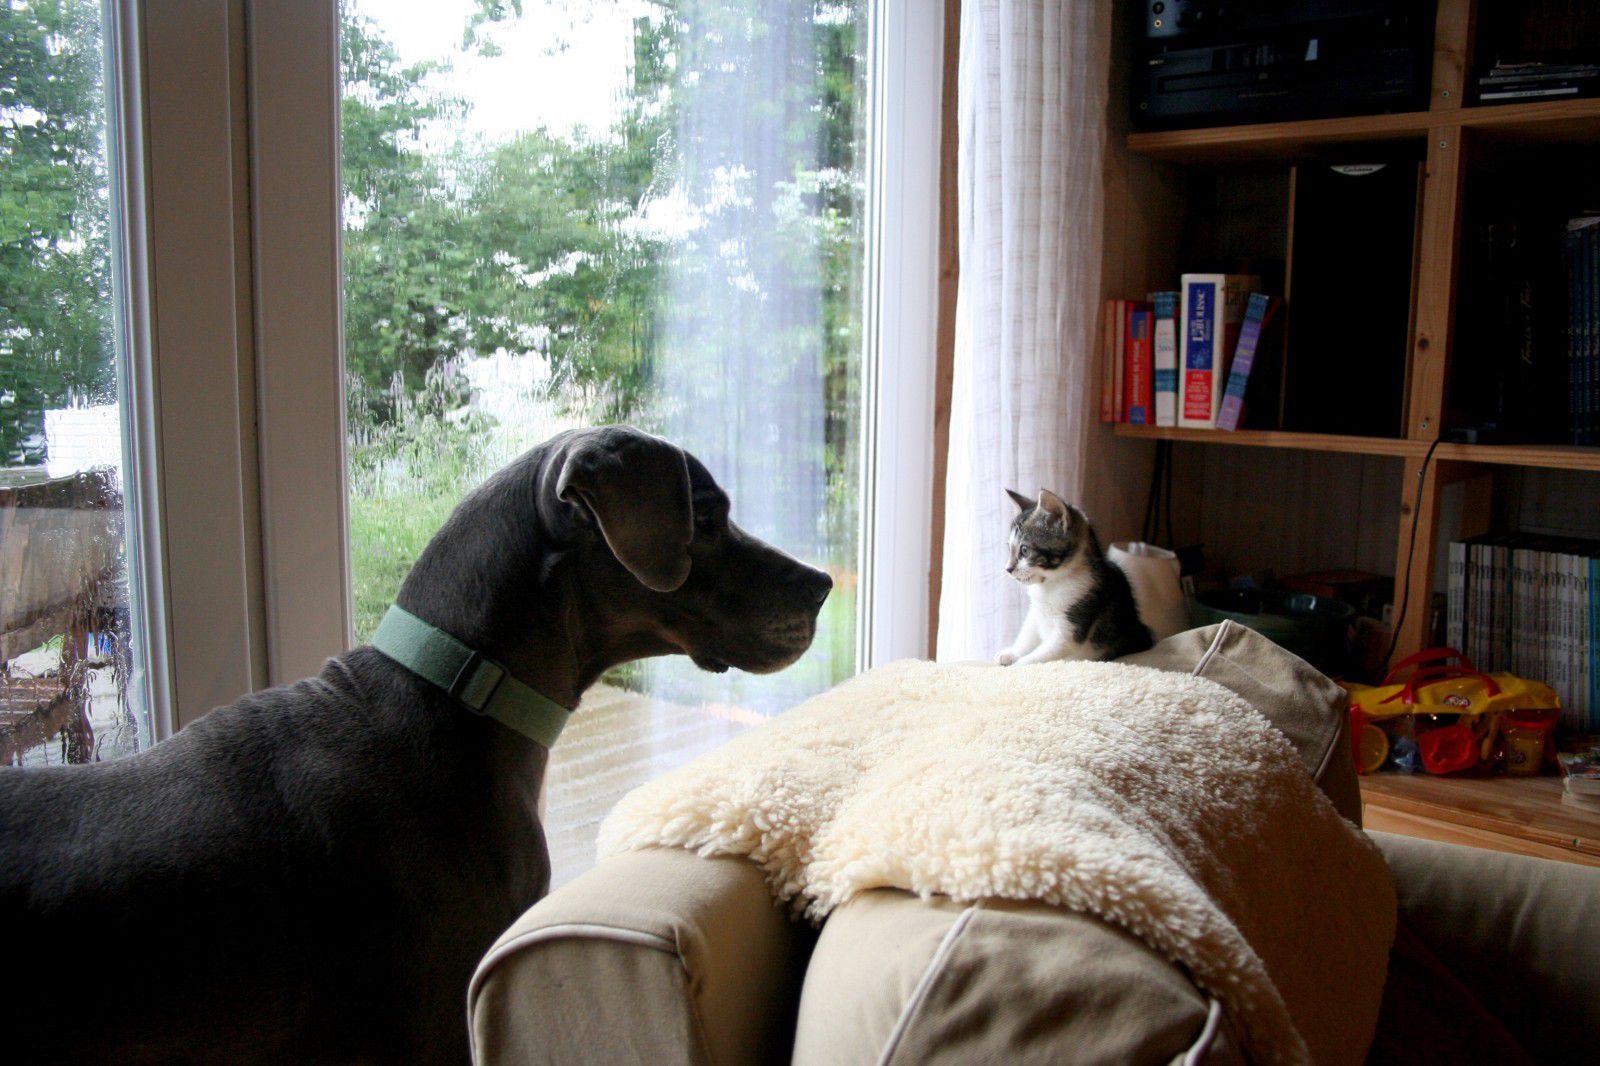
<point>1442,681</point>
<point>1446,689</point>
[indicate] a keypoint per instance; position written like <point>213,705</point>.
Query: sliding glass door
<point>643,211</point>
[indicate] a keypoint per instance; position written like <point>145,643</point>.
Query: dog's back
<point>193,882</point>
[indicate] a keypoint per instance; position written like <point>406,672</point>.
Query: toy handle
<point>1408,694</point>
<point>1427,655</point>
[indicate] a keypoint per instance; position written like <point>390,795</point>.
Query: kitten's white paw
<point>1005,658</point>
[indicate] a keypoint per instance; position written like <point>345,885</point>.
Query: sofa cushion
<point>1518,933</point>
<point>898,979</point>
<point>657,956</point>
<point>1292,694</point>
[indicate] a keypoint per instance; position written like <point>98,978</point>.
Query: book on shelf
<point>1582,246</point>
<point>1165,348</point>
<point>1112,373</point>
<point>1127,370</point>
<point>1139,371</point>
<point>1210,314</point>
<point>1538,80</point>
<point>1258,315</point>
<point>1530,604</point>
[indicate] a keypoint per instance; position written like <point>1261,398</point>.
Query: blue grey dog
<point>311,874</point>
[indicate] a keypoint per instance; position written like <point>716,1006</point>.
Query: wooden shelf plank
<point>1510,814</point>
<point>1262,438</point>
<point>1545,456</point>
<point>1564,120</point>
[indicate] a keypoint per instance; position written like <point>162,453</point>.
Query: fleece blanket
<point>1157,801</point>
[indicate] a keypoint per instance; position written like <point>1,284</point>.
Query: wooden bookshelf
<point>1450,139</point>
<point>1525,816</point>
<point>1522,816</point>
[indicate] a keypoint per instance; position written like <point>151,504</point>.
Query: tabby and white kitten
<point>1080,605</point>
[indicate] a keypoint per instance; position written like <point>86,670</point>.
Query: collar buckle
<point>476,682</point>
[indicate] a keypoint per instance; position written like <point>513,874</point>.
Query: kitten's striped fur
<point>1080,605</point>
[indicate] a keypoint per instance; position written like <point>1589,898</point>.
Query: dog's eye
<point>705,522</point>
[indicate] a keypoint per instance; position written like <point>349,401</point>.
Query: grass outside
<point>387,533</point>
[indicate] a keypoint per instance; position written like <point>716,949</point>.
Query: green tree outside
<point>55,323</point>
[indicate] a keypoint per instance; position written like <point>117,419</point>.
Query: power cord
<point>1154,504</point>
<point>1411,552</point>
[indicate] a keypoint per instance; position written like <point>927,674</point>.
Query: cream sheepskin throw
<point>1158,801</point>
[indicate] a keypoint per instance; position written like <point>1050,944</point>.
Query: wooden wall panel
<point>1321,510</point>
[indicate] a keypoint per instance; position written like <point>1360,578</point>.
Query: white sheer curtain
<point>1032,112</point>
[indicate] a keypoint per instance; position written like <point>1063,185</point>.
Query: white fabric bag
<point>1153,573</point>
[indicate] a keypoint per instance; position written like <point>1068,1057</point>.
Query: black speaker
<point>1350,296</point>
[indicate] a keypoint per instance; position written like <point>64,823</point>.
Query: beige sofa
<point>666,957</point>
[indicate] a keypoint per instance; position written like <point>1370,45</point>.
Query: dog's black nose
<point>814,584</point>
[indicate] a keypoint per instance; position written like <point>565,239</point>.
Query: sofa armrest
<point>1517,931</point>
<point>656,956</point>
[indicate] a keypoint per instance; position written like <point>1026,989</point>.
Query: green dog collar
<point>480,683</point>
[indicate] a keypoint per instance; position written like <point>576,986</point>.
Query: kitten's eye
<point>1024,552</point>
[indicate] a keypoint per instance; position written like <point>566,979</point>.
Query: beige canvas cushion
<point>899,980</point>
<point>1516,933</point>
<point>656,956</point>
<point>1294,696</point>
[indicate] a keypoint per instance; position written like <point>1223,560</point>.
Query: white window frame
<point>226,135</point>
<point>901,321</point>
<point>178,163</point>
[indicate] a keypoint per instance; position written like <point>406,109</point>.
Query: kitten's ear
<point>1076,518</point>
<point>1051,504</point>
<point>1022,502</point>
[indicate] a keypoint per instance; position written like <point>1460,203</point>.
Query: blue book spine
<point>1256,314</point>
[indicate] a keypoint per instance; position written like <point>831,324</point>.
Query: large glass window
<point>67,646</point>
<point>569,212</point>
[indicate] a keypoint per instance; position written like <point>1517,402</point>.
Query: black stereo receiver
<point>1216,62</point>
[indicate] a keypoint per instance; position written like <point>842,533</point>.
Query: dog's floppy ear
<point>636,487</point>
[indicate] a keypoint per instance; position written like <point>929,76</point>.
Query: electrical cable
<point>1158,501</point>
<point>1411,552</point>
<point>1152,500</point>
<point>1172,544</point>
